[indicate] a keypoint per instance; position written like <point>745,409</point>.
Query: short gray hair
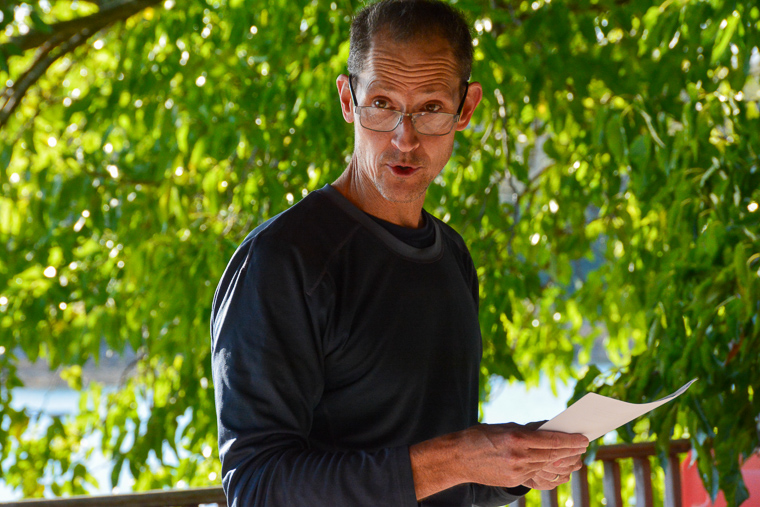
<point>405,20</point>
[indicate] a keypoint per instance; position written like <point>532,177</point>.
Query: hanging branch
<point>113,12</point>
<point>61,38</point>
<point>48,54</point>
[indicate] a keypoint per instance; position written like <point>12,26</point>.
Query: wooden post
<point>642,471</point>
<point>673,481</point>
<point>579,488</point>
<point>612,484</point>
<point>549,498</point>
<point>520,502</point>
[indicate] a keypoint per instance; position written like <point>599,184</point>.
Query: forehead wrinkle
<point>420,78</point>
<point>419,52</point>
<point>413,72</point>
<point>430,65</point>
<point>423,66</point>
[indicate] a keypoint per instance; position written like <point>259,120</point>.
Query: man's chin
<point>402,196</point>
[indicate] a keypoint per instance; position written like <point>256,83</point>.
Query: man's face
<point>417,76</point>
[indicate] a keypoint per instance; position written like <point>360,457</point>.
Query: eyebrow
<point>429,90</point>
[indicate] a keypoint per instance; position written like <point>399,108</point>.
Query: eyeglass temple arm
<point>461,104</point>
<point>351,89</point>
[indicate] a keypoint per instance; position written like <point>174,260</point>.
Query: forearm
<point>436,464</point>
<point>502,455</point>
<point>440,464</point>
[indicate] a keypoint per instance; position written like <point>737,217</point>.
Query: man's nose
<point>405,137</point>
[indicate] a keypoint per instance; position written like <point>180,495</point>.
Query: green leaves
<point>616,140</point>
<point>727,28</point>
<point>607,188</point>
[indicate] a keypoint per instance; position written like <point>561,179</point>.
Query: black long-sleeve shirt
<point>336,346</point>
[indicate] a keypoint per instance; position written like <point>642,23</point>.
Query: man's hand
<point>540,481</point>
<point>505,455</point>
<point>555,474</point>
<point>511,455</point>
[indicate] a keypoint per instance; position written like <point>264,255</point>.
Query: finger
<point>564,470</point>
<point>571,463</point>
<point>568,464</point>
<point>546,476</point>
<point>553,455</point>
<point>556,440</point>
<point>542,482</point>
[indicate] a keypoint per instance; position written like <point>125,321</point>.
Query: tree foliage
<point>608,188</point>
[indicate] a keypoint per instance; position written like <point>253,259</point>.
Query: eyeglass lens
<point>385,120</point>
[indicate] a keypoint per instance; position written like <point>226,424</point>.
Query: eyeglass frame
<point>413,116</point>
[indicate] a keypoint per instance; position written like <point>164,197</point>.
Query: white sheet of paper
<point>594,415</point>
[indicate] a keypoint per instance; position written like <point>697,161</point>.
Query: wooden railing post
<point>612,483</point>
<point>579,488</point>
<point>549,498</point>
<point>642,472</point>
<point>673,480</point>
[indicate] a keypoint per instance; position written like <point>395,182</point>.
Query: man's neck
<point>365,196</point>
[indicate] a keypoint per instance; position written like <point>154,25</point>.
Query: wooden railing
<point>168,498</point>
<point>609,455</point>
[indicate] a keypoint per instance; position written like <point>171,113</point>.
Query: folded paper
<point>594,415</point>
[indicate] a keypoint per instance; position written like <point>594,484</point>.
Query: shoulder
<point>309,233</point>
<point>313,228</point>
<point>291,248</point>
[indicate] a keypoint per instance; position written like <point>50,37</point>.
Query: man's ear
<point>344,93</point>
<point>474,95</point>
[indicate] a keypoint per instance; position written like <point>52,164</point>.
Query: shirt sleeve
<point>492,496</point>
<point>268,378</point>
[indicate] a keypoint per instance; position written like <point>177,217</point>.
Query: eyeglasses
<point>381,119</point>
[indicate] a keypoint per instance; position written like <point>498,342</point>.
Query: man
<point>346,345</point>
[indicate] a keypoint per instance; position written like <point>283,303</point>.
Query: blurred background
<point>608,188</point>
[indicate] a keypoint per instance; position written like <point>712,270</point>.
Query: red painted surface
<point>694,494</point>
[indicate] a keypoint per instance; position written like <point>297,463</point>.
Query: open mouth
<point>403,169</point>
